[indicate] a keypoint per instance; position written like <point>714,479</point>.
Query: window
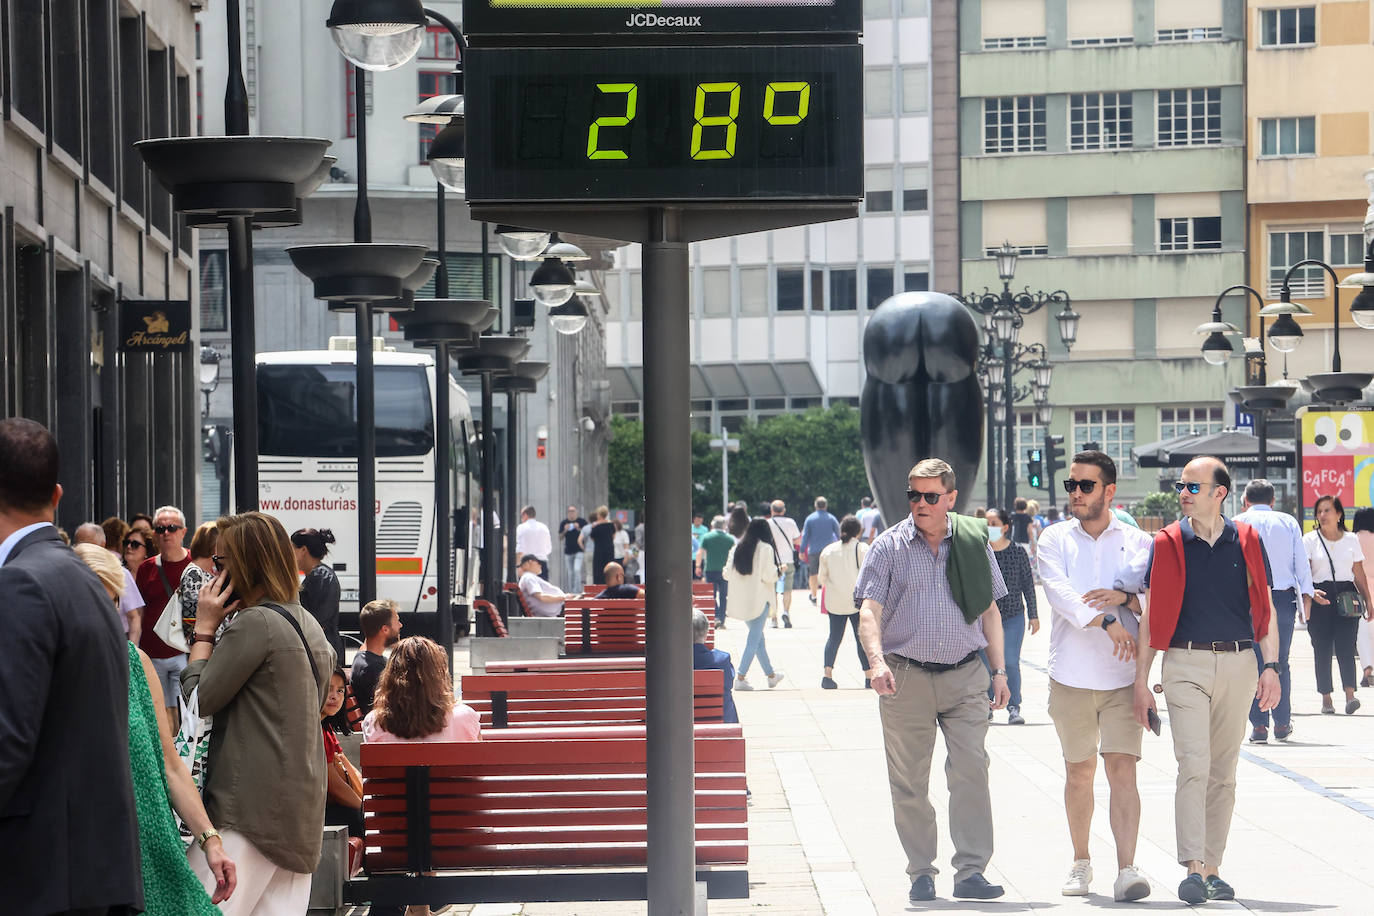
<point>715,292</point>
<point>805,403</point>
<point>1347,249</point>
<point>1021,251</point>
<point>915,188</point>
<point>915,90</point>
<point>438,44</point>
<point>1100,120</point>
<point>878,190</point>
<point>1014,124</point>
<point>844,293</point>
<point>636,296</point>
<point>1190,421</point>
<point>1190,233</point>
<point>877,9</point>
<point>1288,136</point>
<point>1189,117</point>
<point>311,411</point>
<point>791,289</point>
<point>214,308</point>
<point>879,286</point>
<point>1290,27</point>
<point>878,91</point>
<point>1029,434</point>
<point>817,290</point>
<point>131,107</point>
<point>1013,44</point>
<point>1287,249</point>
<point>65,22</point>
<point>432,83</point>
<point>753,291</point>
<point>1097,42</point>
<point>26,60</point>
<point>916,280</point>
<point>1207,33</point>
<point>100,86</point>
<point>158,124</point>
<point>914,7</point>
<point>1111,428</point>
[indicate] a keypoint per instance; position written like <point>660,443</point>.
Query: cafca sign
<point>155,325</point>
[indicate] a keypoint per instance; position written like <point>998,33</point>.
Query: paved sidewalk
<point>822,840</point>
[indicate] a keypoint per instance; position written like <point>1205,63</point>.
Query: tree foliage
<point>1159,505</point>
<point>794,457</point>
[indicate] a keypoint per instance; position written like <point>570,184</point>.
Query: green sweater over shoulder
<point>968,568</point>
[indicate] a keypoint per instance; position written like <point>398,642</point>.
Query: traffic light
<point>1036,468</point>
<point>1054,455</point>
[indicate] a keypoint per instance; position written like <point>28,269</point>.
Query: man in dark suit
<point>67,822</point>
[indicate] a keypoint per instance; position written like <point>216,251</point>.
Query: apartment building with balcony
<point>1106,140</point>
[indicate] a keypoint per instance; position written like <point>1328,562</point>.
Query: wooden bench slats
<point>534,835</point>
<point>531,699</point>
<point>605,625</point>
<point>591,855</point>
<point>714,808</point>
<point>719,791</point>
<point>458,759</point>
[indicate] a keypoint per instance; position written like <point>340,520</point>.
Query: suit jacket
<point>68,826</point>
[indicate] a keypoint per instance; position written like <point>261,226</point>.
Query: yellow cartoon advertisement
<point>1335,457</point>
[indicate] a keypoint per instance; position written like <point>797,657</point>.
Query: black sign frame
<point>155,325</point>
<point>631,21</point>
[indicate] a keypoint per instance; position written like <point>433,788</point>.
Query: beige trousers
<point>1209,696</point>
<point>957,702</point>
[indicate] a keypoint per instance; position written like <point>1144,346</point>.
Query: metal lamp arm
<point>1336,303</point>
<point>452,30</point>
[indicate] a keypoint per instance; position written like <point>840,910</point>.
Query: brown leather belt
<point>1234,645</point>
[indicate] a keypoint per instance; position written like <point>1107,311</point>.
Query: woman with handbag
<point>752,571</point>
<point>344,801</point>
<point>1341,599</point>
<point>263,680</point>
<point>840,563</point>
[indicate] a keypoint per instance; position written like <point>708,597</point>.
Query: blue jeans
<point>1285,607</point>
<point>1013,635</point>
<point>572,573</point>
<point>722,588</point>
<point>753,645</point>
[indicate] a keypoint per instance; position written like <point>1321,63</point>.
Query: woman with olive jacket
<point>263,680</point>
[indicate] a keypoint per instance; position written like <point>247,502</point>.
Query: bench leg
<point>701,898</point>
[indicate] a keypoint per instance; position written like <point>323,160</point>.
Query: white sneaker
<point>775,678</point>
<point>1080,876</point>
<point>742,684</point>
<point>1130,885</point>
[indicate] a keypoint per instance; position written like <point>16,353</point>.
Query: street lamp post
<point>726,446</point>
<point>209,376</point>
<point>1336,386</point>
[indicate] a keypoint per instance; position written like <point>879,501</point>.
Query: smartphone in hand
<point>1153,718</point>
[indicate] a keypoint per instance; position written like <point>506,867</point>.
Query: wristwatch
<point>203,637</point>
<point>1272,666</point>
<point>997,671</point>
<point>1108,620</point>
<point>204,838</point>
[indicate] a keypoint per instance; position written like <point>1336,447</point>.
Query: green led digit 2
<point>631,92</point>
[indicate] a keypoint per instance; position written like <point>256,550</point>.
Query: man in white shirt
<point>869,518</point>
<point>1092,568</point>
<point>532,537</point>
<point>542,599</point>
<point>786,534</point>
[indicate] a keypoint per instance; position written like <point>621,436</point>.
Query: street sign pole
<point>726,446</point>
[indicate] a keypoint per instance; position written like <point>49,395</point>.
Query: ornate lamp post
<point>1336,386</point>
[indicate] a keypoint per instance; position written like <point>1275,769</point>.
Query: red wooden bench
<point>539,815</point>
<point>534,699</point>
<point>586,663</point>
<point>610,626</point>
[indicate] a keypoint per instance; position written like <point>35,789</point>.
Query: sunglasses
<point>131,542</point>
<point>1194,488</point>
<point>218,563</point>
<point>1085,485</point>
<point>915,496</point>
<point>166,529</point>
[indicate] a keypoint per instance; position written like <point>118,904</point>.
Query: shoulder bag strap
<point>167,583</point>
<point>314,669</point>
<point>1322,541</point>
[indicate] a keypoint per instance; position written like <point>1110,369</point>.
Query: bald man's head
<point>614,574</point>
<point>90,533</point>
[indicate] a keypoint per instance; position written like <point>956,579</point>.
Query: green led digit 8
<point>701,147</point>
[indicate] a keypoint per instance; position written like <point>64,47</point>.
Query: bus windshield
<point>312,411</point>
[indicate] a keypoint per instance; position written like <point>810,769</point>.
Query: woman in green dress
<point>159,777</point>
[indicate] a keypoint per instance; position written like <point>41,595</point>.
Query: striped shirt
<point>920,618</point>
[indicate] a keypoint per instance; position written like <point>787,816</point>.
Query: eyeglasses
<point>1085,485</point>
<point>1194,488</point>
<point>915,496</point>
<point>166,529</point>
<point>131,542</point>
<point>217,562</point>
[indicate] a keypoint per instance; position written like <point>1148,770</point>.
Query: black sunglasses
<point>131,542</point>
<point>915,496</point>
<point>1085,485</point>
<point>1194,488</point>
<point>166,529</point>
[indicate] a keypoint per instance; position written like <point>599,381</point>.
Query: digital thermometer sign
<point>632,18</point>
<point>665,124</point>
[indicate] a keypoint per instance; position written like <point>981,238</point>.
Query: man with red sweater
<point>1209,605</point>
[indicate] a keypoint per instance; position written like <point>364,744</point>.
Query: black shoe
<point>976,887</point>
<point>1218,889</point>
<point>1193,890</point>
<point>1014,716</point>
<point>1283,732</point>
<point>828,683</point>
<point>923,888</point>
<point>787,621</point>
<point>813,598</point>
<point>1260,735</point>
<point>1351,705</point>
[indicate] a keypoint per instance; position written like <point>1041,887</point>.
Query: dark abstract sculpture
<point>922,398</point>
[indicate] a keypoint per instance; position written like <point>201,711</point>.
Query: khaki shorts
<point>1082,717</point>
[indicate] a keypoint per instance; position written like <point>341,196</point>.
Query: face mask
<point>994,534</point>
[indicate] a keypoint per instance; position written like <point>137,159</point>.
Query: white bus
<point>308,467</point>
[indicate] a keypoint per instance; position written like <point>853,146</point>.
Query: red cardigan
<point>1168,574</point>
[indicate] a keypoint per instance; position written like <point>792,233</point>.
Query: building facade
<point>778,317</point>
<point>300,85</point>
<point>1105,139</point>
<point>86,228</point>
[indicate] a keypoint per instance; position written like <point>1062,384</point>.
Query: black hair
<point>1363,520</point>
<point>1100,460</point>
<point>1001,516</point>
<point>338,723</point>
<point>28,465</point>
<point>1335,504</point>
<point>739,521</point>
<point>314,541</point>
<point>849,528</point>
<point>758,532</point>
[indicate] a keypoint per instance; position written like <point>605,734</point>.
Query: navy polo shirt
<point>1216,596</point>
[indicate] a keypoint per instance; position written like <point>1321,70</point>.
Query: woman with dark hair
<point>320,586</point>
<point>753,572</point>
<point>601,537</point>
<point>264,681</point>
<point>739,521</point>
<point>1016,607</point>
<point>138,546</point>
<point>344,801</point>
<point>1337,570</point>
<point>838,571</point>
<point>1362,523</point>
